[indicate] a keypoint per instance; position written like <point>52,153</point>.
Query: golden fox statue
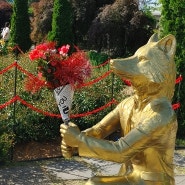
<point>147,121</point>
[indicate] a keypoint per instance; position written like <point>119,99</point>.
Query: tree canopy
<point>61,23</point>
<point>20,25</point>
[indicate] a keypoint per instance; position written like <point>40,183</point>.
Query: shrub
<point>20,25</point>
<point>61,23</point>
<point>173,22</point>
<point>97,58</point>
<point>3,48</point>
<point>6,142</point>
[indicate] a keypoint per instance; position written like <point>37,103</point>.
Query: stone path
<point>70,172</point>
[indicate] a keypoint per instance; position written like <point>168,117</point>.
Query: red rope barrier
<point>176,106</point>
<point>31,75</point>
<point>103,64</point>
<point>18,98</point>
<point>36,109</point>
<point>18,48</point>
<point>95,80</point>
<point>9,102</point>
<point>24,71</point>
<point>96,110</point>
<point>179,79</point>
<point>7,68</point>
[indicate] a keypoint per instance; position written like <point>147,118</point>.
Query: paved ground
<point>70,172</point>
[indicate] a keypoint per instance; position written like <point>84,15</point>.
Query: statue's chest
<point>131,117</point>
<point>136,118</point>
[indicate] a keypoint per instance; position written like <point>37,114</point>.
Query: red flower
<point>42,51</point>
<point>49,70</point>
<point>64,50</point>
<point>34,84</point>
<point>40,76</point>
<point>46,46</point>
<point>58,68</point>
<point>36,54</point>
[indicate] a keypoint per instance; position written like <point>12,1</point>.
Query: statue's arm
<point>148,134</point>
<point>105,127</point>
<point>109,124</point>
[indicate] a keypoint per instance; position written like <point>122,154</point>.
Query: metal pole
<point>15,93</point>
<point>14,105</point>
<point>112,89</point>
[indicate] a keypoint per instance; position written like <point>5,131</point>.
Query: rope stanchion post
<point>16,54</point>
<point>15,93</point>
<point>112,89</point>
<point>14,105</point>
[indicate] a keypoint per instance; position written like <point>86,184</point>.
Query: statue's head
<point>152,65</point>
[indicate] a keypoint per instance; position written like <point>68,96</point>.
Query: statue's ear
<point>168,45</point>
<point>153,38</point>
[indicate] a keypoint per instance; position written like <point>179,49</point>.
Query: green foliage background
<point>24,124</point>
<point>173,21</point>
<point>19,124</point>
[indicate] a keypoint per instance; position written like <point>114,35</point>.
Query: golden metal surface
<point>147,121</point>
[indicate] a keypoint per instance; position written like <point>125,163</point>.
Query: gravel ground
<point>59,171</point>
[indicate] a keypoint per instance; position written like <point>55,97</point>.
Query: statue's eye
<point>142,59</point>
